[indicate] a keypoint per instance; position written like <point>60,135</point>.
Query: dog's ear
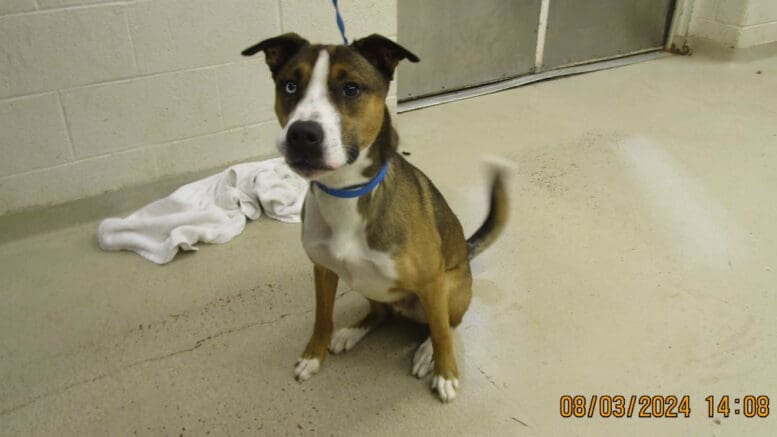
<point>277,50</point>
<point>383,53</point>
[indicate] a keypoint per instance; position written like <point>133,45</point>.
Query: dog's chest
<point>334,236</point>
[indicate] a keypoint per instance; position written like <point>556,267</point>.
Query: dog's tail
<point>498,209</point>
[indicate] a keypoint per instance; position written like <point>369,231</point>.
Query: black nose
<point>305,134</point>
<point>303,144</point>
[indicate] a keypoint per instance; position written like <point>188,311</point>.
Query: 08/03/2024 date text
<point>660,406</point>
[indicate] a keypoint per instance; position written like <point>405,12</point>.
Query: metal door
<point>465,43</point>
<point>586,30</point>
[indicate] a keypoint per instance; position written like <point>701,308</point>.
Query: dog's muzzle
<point>304,146</point>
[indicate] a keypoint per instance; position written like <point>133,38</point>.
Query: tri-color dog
<point>370,217</point>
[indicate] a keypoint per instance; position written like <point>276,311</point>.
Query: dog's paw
<point>445,388</point>
<point>305,368</point>
<point>345,339</point>
<point>423,360</point>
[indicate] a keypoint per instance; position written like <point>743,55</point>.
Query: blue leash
<point>340,22</point>
<point>361,190</point>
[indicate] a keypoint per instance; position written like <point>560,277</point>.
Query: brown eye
<point>351,90</point>
<point>290,87</point>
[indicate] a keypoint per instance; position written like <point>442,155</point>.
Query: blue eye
<point>290,87</point>
<point>351,89</point>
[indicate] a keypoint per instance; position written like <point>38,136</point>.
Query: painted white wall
<point>98,95</point>
<point>735,23</point>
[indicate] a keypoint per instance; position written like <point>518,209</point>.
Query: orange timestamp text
<point>659,406</point>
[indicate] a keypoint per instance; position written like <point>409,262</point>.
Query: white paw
<point>445,388</point>
<point>346,338</point>
<point>305,368</point>
<point>423,360</point>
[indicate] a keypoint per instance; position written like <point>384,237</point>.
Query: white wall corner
<point>729,23</point>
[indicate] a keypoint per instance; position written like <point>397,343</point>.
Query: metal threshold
<point>482,90</point>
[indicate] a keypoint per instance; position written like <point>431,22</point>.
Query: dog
<point>370,218</point>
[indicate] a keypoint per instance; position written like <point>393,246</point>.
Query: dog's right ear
<point>383,53</point>
<point>277,50</point>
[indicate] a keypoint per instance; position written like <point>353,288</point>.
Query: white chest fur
<point>334,236</point>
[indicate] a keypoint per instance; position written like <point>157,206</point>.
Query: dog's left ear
<point>383,53</point>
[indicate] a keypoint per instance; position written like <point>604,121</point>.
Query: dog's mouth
<point>308,169</point>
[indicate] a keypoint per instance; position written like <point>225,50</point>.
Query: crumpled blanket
<point>210,210</point>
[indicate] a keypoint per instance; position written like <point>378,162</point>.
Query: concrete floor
<point>641,259</point>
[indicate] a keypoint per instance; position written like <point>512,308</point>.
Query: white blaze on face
<point>316,106</point>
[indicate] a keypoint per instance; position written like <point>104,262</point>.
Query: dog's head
<point>329,99</point>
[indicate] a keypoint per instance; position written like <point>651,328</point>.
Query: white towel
<point>211,210</point>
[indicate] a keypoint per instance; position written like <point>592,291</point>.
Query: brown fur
<point>326,289</point>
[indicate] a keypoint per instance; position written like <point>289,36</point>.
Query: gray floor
<point>641,259</point>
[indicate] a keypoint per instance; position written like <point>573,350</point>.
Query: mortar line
<point>134,49</point>
<point>42,10</point>
<point>130,79</point>
<point>139,148</point>
<point>279,13</point>
<point>219,103</point>
<point>68,131</point>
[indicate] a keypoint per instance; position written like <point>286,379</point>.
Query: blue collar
<point>358,190</point>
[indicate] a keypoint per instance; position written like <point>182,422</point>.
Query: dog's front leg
<point>445,378</point>
<point>316,350</point>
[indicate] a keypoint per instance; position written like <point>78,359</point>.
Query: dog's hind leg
<point>423,360</point>
<point>346,338</point>
<point>459,293</point>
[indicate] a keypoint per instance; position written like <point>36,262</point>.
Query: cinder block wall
<point>735,23</point>
<point>98,95</point>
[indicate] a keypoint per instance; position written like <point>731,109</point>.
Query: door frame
<point>677,38</point>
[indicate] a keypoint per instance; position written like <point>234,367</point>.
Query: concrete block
<point>50,4</point>
<point>217,150</point>
<point>32,134</point>
<point>247,93</point>
<point>157,109</point>
<point>392,91</point>
<point>758,34</point>
<point>760,12</point>
<point>63,48</point>
<point>731,12</point>
<point>76,180</point>
<point>724,34</point>
<point>391,104</point>
<point>705,9</point>
<point>16,6</point>
<point>177,34</point>
<point>316,20</point>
